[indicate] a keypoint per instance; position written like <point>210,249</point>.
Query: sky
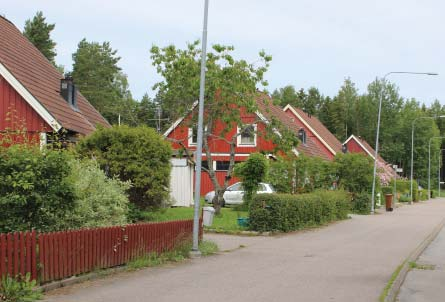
<point>312,42</point>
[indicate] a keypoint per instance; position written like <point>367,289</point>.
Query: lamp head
<point>432,73</point>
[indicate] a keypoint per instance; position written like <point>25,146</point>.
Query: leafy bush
<point>422,195</point>
<point>355,172</point>
<point>35,191</point>
<point>312,173</point>
<point>280,174</point>
<point>285,212</point>
<point>251,172</point>
<point>403,188</point>
<point>100,201</point>
<point>387,190</point>
<point>19,289</point>
<point>361,203</point>
<point>139,155</point>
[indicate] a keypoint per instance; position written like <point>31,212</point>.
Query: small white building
<point>181,182</point>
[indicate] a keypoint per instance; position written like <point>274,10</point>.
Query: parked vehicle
<point>234,193</point>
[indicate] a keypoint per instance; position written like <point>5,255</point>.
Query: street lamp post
<point>440,156</point>
<point>378,132</point>
<point>195,246</point>
<point>412,151</point>
<point>429,163</point>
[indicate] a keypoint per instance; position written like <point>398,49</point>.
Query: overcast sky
<point>313,42</point>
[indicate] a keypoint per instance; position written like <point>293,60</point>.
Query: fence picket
<point>60,255</point>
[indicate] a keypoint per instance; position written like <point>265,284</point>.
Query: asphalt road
<point>351,260</point>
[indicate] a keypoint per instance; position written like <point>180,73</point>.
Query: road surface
<point>351,260</point>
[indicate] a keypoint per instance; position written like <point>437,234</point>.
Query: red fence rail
<point>58,255</point>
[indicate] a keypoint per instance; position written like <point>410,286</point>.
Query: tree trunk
<point>218,201</point>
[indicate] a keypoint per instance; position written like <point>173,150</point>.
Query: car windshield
<point>236,187</point>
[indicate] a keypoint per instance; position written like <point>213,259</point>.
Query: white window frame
<point>190,135</point>
<point>238,139</point>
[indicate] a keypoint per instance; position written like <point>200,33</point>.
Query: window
<point>193,136</point>
<point>247,136</point>
<point>223,165</point>
<point>302,135</point>
<point>236,187</point>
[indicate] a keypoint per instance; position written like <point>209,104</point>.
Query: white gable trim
<point>361,145</point>
<point>179,120</point>
<point>292,109</point>
<point>29,98</point>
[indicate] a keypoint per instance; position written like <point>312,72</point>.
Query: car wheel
<point>223,204</point>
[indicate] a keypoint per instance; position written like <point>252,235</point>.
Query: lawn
<point>226,221</point>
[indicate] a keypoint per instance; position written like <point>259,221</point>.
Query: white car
<point>234,193</point>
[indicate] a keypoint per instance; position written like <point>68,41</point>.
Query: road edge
<point>400,278</point>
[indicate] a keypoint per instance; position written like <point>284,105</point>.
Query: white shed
<point>181,182</point>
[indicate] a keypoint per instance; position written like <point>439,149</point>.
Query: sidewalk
<point>426,280</point>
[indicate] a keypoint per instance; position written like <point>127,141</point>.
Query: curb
<point>82,278</point>
<point>398,281</point>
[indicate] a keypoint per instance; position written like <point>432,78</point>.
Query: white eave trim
<point>288,106</point>
<point>29,98</point>
<point>360,144</point>
<point>179,120</point>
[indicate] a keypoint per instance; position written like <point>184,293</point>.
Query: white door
<point>181,183</point>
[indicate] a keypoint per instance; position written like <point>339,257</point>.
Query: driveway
<point>351,260</point>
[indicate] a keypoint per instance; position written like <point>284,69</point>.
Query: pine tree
<point>38,33</point>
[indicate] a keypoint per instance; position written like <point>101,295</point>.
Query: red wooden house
<point>356,144</point>
<point>35,97</point>
<point>327,145</point>
<point>249,142</point>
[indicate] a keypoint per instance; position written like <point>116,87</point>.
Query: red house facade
<point>182,135</point>
<point>356,144</point>
<point>34,97</point>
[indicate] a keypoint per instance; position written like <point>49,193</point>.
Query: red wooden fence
<point>58,255</point>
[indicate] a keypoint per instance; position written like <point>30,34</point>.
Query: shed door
<point>181,183</point>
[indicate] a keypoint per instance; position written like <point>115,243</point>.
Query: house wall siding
<point>17,114</point>
<point>221,147</point>
<point>354,147</point>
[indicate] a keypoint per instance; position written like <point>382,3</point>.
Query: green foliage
<point>35,191</point>
<point>99,78</point>
<point>387,190</point>
<point>252,172</point>
<point>231,93</point>
<point>207,247</point>
<point>19,289</point>
<point>313,173</point>
<point>139,155</point>
<point>38,33</point>
<point>285,212</point>
<point>281,172</point>
<point>355,172</point>
<point>100,201</point>
<point>403,188</point>
<point>361,203</point>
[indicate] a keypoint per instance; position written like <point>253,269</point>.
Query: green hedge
<point>403,188</point>
<point>286,212</point>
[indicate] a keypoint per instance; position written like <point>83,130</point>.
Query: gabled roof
<point>317,127</point>
<point>365,146</point>
<point>270,111</point>
<point>38,82</point>
<point>266,112</point>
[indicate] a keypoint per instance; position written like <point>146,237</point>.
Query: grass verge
<point>390,282</point>
<point>225,222</point>
<point>177,255</point>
